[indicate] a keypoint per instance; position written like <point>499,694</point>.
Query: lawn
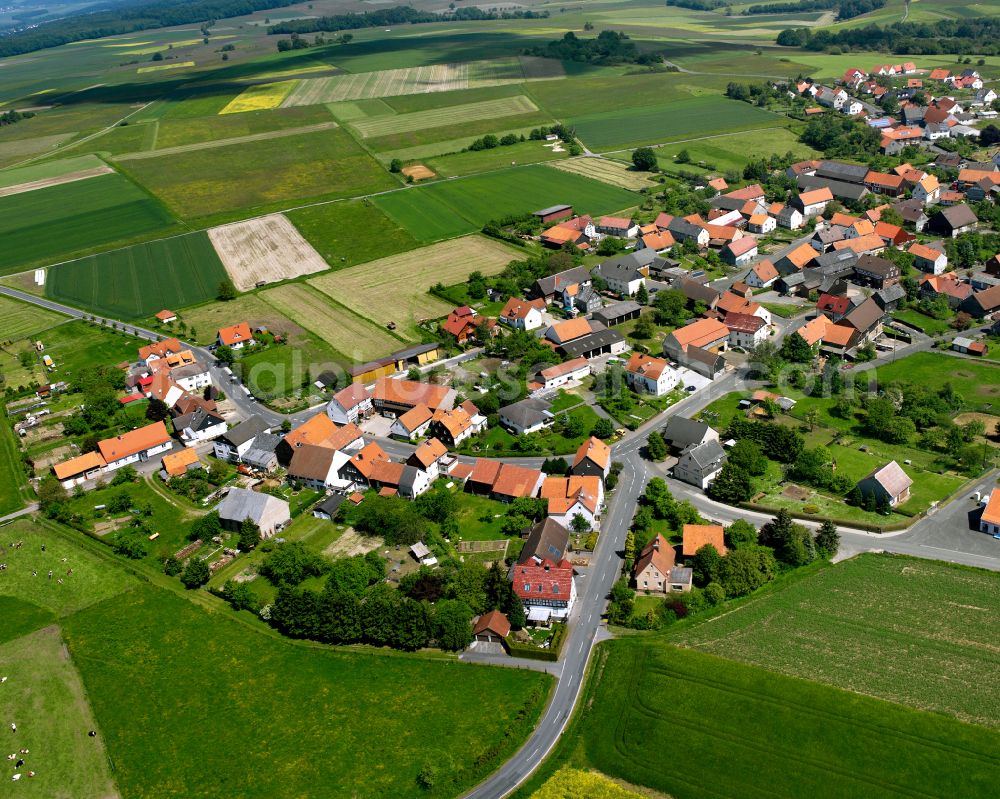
<point>332,230</point>
<point>733,730</point>
<point>262,175</point>
<point>45,225</point>
<point>22,320</point>
<point>977,383</point>
<point>79,345</point>
<point>696,117</point>
<point>472,161</point>
<point>288,708</point>
<point>21,617</point>
<point>497,442</point>
<point>927,324</point>
<point>929,626</point>
<point>449,208</point>
<point>140,280</point>
<point>408,277</point>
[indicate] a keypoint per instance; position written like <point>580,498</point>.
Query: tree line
<point>978,35</point>
<point>609,47</point>
<point>397,15</point>
<point>120,20</point>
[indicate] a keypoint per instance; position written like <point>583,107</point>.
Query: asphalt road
<point>944,535</point>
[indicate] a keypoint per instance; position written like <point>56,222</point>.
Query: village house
<point>522,314</point>
<point>569,497</point>
<point>696,536</point>
<point>953,221</point>
<point>700,465</point>
<point>745,330</point>
<point>886,485</point>
<point>625,274</point>
<point>762,275</point>
<point>686,345</point>
<point>263,453</point>
<point>363,467</point>
<point>929,260</point>
<point>504,481</point>
<point>927,190</point>
<point>462,324</point>
<point>490,630</point>
<point>646,374</point>
<point>412,424</point>
<point>593,459</point>
<point>201,424</point>
<point>159,349</point>
<point>622,227</point>
<point>428,457</point>
<point>761,224</point>
<point>866,319</point>
<point>546,540</point>
<point>76,471</point>
<point>270,514</point>
<point>526,416</point>
<point>654,566</point>
<point>454,426</point>
<point>875,272</point>
<point>562,374</point>
<point>834,307</point>
<point>178,464</point>
<point>740,252</point>
<point>318,467</point>
<point>680,433</point>
<point>549,288</point>
<point>989,520</point>
<point>796,260</point>
<point>579,231</point>
<point>320,431</point>
<point>135,446</point>
<point>235,337</point>
<point>232,445</point>
<point>350,404</point>
<point>983,303</point>
<point>790,217</point>
<point>546,590</point>
<point>946,285</point>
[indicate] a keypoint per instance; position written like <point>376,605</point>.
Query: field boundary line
<point>211,145</point>
<point>44,183</point>
<point>328,298</point>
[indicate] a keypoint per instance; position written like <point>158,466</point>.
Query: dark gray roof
<point>890,294</point>
<point>830,235</point>
<point>245,431</point>
<point>559,281</point>
<point>547,540</point>
<point>616,310</point>
<point>705,455</point>
<point>198,419</point>
<point>727,203</point>
<point>262,448</point>
<point>552,209</point>
<point>624,269</point>
<point>910,210</point>
<point>793,279</point>
<point>682,227</point>
<point>330,505</point>
<point>956,216</point>
<point>839,188</point>
<point>591,342</point>
<point>838,170</point>
<point>877,266</point>
<point>681,433</point>
<point>527,412</point>
<point>836,261</point>
<point>912,114</point>
<point>188,370</point>
<point>408,479</point>
<point>697,292</point>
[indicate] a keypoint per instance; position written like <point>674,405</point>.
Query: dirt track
<point>71,177</point>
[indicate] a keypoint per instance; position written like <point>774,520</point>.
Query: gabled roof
<point>411,393</point>
<point>765,271</point>
<point>646,365</point>
<point>744,323</point>
<point>568,330</point>
<point>593,449</point>
<point>865,316</point>
<point>657,553</point>
<point>742,246</point>
<point>516,308</point>
<point>160,348</point>
<point>832,304</point>
<point>494,622</point>
<point>312,462</point>
<point>235,334</point>
<point>563,493</point>
<point>957,216</point>
<point>547,540</point>
<point>814,330</point>
<point>176,464</point>
<point>241,503</point>
<point>456,421</point>
<point>516,481</point>
<point>83,463</point>
<point>680,432</point>
<point>751,192</point>
<point>133,442</point>
<point>352,396</point>
<point>815,196</point>
<point>548,581</point>
<point>701,333</point>
<point>365,459</point>
<point>891,477</point>
<point>801,255</point>
<point>415,417</point>
<point>698,535</point>
<point>565,368</point>
<point>429,451</point>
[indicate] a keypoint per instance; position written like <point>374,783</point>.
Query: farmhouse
<point>511,482</point>
<point>983,303</point>
<point>875,272</point>
<point>134,446</point>
<point>454,426</point>
<point>159,349</point>
<point>549,288</point>
<point>317,467</point>
<point>953,221</point>
<point>680,433</point>
<point>166,317</point>
<point>78,470</point>
<point>762,275</point>
<point>350,404</point>
<point>619,226</point>
<point>811,203</point>
<point>745,330</point>
<point>320,431</point>
<point>199,425</point>
<point>462,323</point>
<point>394,397</point>
<point>887,485</point>
<point>522,314</point>
<point>698,345</point>
<point>412,424</point>
<point>650,375</point>
<point>263,454</point>
<point>365,466</point>
<point>269,513</point>
<point>236,336</point>
<point>624,275</point>
<point>233,444</point>
<point>546,590</point>
<point>562,374</point>
<point>428,457</point>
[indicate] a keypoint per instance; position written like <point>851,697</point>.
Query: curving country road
<point>943,535</point>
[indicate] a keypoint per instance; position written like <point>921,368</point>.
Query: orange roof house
<point>594,451</point>
<point>159,349</point>
<point>365,459</point>
<point>78,466</point>
<point>429,452</point>
<point>409,393</point>
<point>814,331</point>
<point>870,243</point>
<point>235,335</point>
<point>702,333</point>
<point>166,316</point>
<point>563,493</point>
<point>516,481</point>
<point>134,442</point>
<point>801,256</point>
<point>176,464</point>
<point>698,535</point>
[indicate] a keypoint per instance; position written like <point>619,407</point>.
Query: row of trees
<point>975,35</point>
<point>397,15</point>
<point>608,47</point>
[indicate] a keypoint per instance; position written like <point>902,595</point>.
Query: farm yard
<point>408,277</point>
<point>87,214</point>
<point>140,280</point>
<point>264,250</point>
<point>348,333</point>
<point>929,626</point>
<point>690,118</point>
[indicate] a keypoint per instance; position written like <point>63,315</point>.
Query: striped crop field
<point>162,67</point>
<point>262,97</point>
<point>442,117</point>
<point>422,80</point>
<point>614,172</point>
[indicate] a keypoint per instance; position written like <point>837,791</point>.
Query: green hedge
<point>551,654</point>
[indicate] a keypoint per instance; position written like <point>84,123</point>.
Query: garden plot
<point>264,250</point>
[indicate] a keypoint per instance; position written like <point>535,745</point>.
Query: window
<point>555,588</point>
<point>527,588</point>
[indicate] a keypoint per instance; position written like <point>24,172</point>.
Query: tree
<point>395,165</point>
<point>792,543</point>
<point>290,563</point>
<point>670,307</point>
<point>747,454</point>
<point>733,485</point>
<point>827,540</point>
<point>207,527</point>
<point>249,534</point>
<point>796,349</point>
<point>740,534</point>
<point>745,570</point>
<point>579,523</point>
<point>644,159</point>
<point>643,328</point>
<point>452,625</point>
<point>603,428</point>
<point>172,567</point>
<point>195,574</point>
<point>51,494</point>
<point>683,157</point>
<point>226,290</point>
<point>224,354</point>
<point>642,295</point>
<point>468,584</point>
<point>240,596</point>
<point>656,449</point>
<point>630,546</point>
<point>157,410</point>
<point>706,564</point>
<point>411,629</point>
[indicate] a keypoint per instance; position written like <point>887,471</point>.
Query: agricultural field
<point>605,170</point>
<point>164,67</point>
<point>572,782</point>
<point>262,175</point>
<point>408,277</point>
<point>48,170</point>
<point>78,345</point>
<point>151,716</point>
<point>331,229</point>
<point>264,250</point>
<point>472,161</point>
<point>87,214</point>
<point>349,333</point>
<point>204,320</point>
<point>929,626</point>
<point>260,97</point>
<point>441,117</point>
<point>140,280</point>
<point>696,117</point>
<point>735,729</point>
<point>20,320</point>
<point>423,215</point>
<point>172,132</point>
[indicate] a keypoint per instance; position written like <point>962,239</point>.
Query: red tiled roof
<point>235,334</point>
<point>545,581</point>
<point>133,442</point>
<point>697,535</point>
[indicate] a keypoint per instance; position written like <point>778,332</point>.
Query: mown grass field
<point>262,175</point>
<point>445,209</point>
<point>977,383</point>
<point>20,320</point>
<point>79,345</point>
<point>140,280</point>
<point>408,277</point>
<point>332,230</point>
<point>441,117</point>
<point>911,631</point>
<point>45,225</point>
<point>690,118</point>
<point>738,730</point>
<point>277,704</point>
<point>14,488</point>
<point>467,163</point>
<point>729,151</point>
<point>605,170</point>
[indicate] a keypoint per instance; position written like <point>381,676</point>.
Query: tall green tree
<point>827,540</point>
<point>452,625</point>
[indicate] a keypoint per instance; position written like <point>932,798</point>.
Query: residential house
<point>135,446</point>
<point>871,243</point>
<point>912,212</point>
<point>740,252</point>
<point>790,217</point>
<point>569,497</point>
<point>234,443</point>
<point>562,374</point>
<point>654,565</point>
<point>178,464</point>
<point>350,404</point>
<point>834,307</point>
<point>882,183</point>
<point>319,430</point>
<point>796,260</point>
<point>587,299</point>
<point>762,275</point>
<point>428,457</point>
<point>696,292</point>
<point>318,467</point>
<point>887,485</point>
<point>700,465</point>
<point>745,330</point>
<point>546,540</point>
<point>454,426</point>
<point>625,274</point>
<point>929,260</point>
<point>811,203</point>
<point>199,425</point>
<point>546,590</point>
<point>522,314</point>
<point>953,221</point>
<point>617,313</point>
<point>983,303</point>
<point>263,453</point>
<point>681,434</point>
<point>876,272</point>
<point>621,227</point>
<point>761,224</point>
<point>550,287</point>
<point>866,319</point>
<point>989,520</point>
<point>412,482</point>
<point>78,470</point>
<point>578,232</point>
<point>658,242</point>
<point>888,299</point>
<point>362,468</point>
<point>235,337</point>
<point>696,536</point>
<point>412,424</point>
<point>563,332</point>
<point>708,336</point>
<point>593,458</point>
<point>650,375</point>
<point>461,324</point>
<point>526,416</point>
<point>947,286</point>
<point>682,230</point>
<point>159,349</point>
<point>928,190</point>
<point>270,514</point>
<point>392,397</point>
